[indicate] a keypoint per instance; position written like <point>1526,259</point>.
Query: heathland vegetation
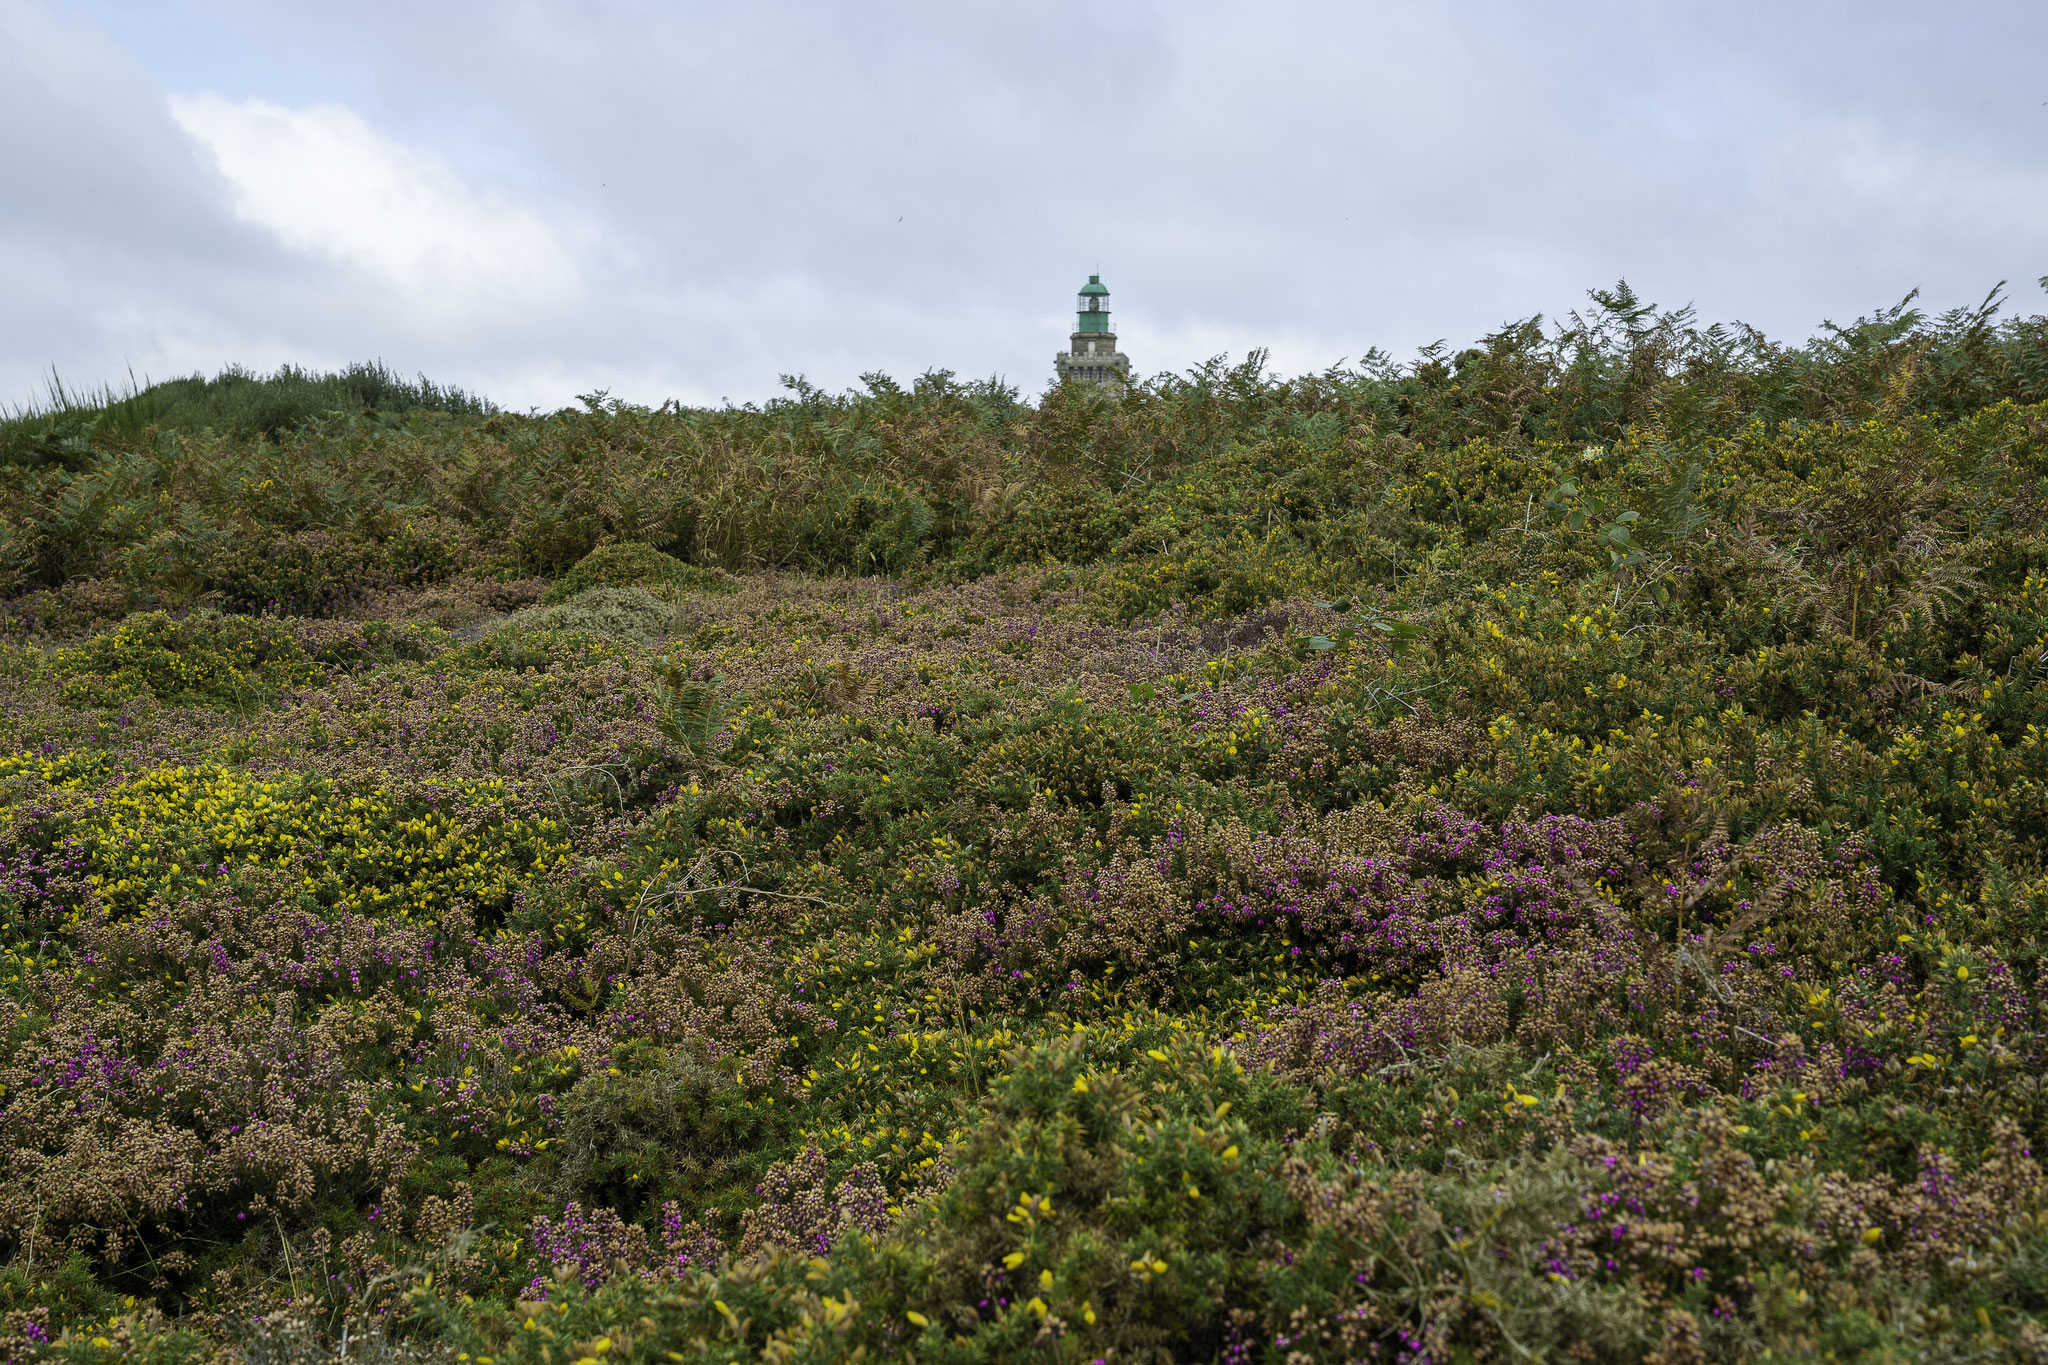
<point>1536,852</point>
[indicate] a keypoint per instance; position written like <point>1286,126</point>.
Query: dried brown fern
<point>1864,562</point>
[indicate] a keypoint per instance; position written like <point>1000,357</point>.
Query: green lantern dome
<point>1094,307</point>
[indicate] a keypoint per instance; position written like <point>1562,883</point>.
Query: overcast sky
<point>678,200</point>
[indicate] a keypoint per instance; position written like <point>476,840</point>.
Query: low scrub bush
<point>620,613</point>
<point>632,565</point>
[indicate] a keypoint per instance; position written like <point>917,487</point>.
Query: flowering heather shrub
<point>591,1248</point>
<point>459,604</point>
<point>797,1214</point>
<point>1377,902</point>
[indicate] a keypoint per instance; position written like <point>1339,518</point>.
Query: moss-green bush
<point>622,613</point>
<point>630,564</point>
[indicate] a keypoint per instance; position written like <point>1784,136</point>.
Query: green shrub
<point>675,1131</point>
<point>629,564</point>
<point>1216,579</point>
<point>317,571</point>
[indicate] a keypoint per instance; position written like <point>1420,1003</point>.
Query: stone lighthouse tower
<point>1095,356</point>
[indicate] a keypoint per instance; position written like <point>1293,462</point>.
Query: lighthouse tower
<point>1095,357</point>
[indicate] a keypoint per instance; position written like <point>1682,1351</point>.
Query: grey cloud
<point>90,154</point>
<point>1317,177</point>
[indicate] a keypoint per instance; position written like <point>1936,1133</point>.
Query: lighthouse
<point>1094,356</point>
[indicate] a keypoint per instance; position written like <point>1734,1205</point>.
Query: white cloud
<point>329,185</point>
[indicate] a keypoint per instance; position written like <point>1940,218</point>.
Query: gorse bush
<point>222,660</point>
<point>198,659</point>
<point>1541,852</point>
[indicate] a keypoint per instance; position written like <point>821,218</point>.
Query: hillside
<point>1537,851</point>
